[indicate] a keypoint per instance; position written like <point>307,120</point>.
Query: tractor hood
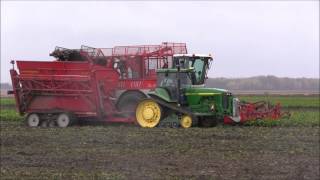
<point>204,91</point>
<point>194,93</point>
<point>209,101</point>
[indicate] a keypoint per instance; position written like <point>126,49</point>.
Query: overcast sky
<point>246,38</point>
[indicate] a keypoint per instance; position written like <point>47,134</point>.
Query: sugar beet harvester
<point>108,83</point>
<point>101,83</point>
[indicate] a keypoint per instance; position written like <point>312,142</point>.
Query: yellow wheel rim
<point>186,121</point>
<point>148,113</point>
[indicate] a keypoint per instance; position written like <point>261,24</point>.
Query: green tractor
<point>181,95</point>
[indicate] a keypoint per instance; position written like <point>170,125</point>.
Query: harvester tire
<point>33,120</point>
<point>148,113</point>
<point>64,120</point>
<point>128,102</point>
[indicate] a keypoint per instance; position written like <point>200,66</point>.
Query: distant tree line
<point>265,83</point>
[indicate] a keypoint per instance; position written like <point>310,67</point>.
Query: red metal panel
<point>137,84</point>
<point>53,68</point>
<point>52,103</point>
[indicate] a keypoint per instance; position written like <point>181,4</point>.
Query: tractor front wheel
<point>148,113</point>
<point>186,121</point>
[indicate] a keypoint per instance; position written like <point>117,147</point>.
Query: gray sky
<point>246,38</point>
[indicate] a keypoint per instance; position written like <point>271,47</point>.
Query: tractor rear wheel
<point>33,120</point>
<point>148,113</point>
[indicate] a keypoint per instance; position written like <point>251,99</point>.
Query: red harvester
<point>103,83</point>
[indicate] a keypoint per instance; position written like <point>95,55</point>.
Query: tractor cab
<point>187,71</point>
<point>172,80</point>
<point>199,62</point>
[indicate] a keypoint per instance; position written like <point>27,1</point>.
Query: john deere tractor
<point>181,95</point>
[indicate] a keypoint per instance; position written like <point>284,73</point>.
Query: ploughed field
<point>285,149</point>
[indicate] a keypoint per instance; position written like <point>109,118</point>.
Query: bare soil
<point>129,152</point>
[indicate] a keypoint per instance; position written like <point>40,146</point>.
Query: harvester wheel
<point>63,120</point>
<point>186,121</point>
<point>148,113</point>
<point>128,102</point>
<point>33,120</point>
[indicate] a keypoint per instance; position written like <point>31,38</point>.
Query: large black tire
<point>207,122</point>
<point>128,102</point>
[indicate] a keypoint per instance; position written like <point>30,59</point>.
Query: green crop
<point>286,101</point>
<point>10,115</point>
<point>7,101</point>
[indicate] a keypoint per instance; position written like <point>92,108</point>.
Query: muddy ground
<point>129,152</point>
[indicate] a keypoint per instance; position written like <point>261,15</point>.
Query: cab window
<point>198,68</point>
